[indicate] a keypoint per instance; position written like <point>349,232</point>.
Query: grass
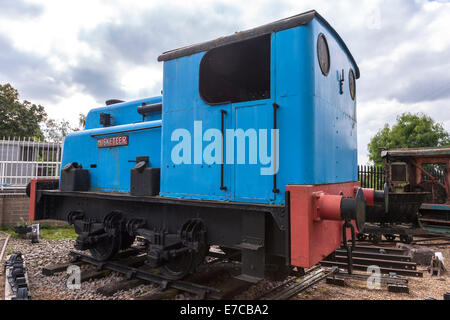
<point>48,232</point>
<point>53,233</point>
<point>9,230</point>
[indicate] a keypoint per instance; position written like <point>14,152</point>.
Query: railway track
<point>389,260</point>
<point>215,280</point>
<point>294,286</point>
<point>3,246</point>
<point>163,283</point>
<point>425,241</point>
<point>131,265</point>
<point>218,282</point>
<point>420,240</point>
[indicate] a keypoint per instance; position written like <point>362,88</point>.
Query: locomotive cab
<point>399,175</point>
<point>420,186</point>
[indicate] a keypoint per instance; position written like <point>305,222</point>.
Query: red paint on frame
<point>312,239</point>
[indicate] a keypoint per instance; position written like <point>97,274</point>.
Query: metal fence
<point>436,170</point>
<point>23,159</point>
<point>371,177</point>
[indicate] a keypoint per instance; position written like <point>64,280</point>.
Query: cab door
<point>254,180</point>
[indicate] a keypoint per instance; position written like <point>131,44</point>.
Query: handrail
<point>222,187</point>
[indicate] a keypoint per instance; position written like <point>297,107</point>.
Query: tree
<point>410,131</point>
<point>24,119</point>
<point>56,131</point>
<point>81,121</point>
<point>19,119</point>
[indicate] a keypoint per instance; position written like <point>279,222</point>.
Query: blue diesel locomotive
<point>252,147</point>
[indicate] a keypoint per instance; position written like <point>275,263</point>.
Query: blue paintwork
<point>112,173</point>
<point>436,230</point>
<point>439,212</point>
<point>436,207</point>
<point>317,126</point>
<point>122,113</point>
<point>335,132</point>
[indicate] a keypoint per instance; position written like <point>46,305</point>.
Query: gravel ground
<point>57,251</point>
<point>419,288</point>
<point>42,287</point>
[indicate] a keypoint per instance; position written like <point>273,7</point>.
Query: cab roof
<point>417,152</point>
<point>283,24</point>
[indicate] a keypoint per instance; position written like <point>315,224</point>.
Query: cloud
<point>136,40</point>
<point>31,74</point>
<point>19,8</point>
<point>139,39</point>
<point>98,81</point>
<point>403,59</point>
<point>422,77</point>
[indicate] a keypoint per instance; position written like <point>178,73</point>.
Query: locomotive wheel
<point>375,238</point>
<point>406,239</point>
<point>389,237</point>
<point>180,266</point>
<point>177,268</point>
<point>361,236</point>
<point>106,249</point>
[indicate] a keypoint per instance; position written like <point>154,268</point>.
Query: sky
<point>72,56</point>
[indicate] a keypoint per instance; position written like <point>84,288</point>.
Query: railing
<point>371,177</point>
<point>23,159</point>
<point>436,170</point>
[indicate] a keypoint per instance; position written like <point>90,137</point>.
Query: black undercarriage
<point>178,232</point>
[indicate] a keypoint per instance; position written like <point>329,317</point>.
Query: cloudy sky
<point>71,56</point>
